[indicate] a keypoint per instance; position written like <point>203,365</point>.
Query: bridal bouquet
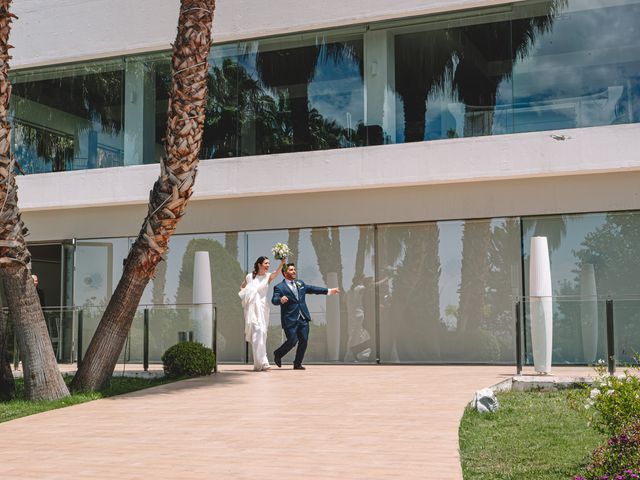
<point>280,251</point>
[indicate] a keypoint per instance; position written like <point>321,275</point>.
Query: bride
<point>253,293</point>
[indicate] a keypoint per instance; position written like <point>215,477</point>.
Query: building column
<point>379,85</point>
<point>139,113</point>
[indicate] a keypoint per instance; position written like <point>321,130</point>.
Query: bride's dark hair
<point>256,266</point>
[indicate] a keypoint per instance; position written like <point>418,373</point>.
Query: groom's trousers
<point>297,334</point>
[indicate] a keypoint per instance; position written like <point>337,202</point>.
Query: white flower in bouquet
<point>280,251</point>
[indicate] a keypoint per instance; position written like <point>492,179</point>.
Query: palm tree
<point>7,384</point>
<point>170,194</point>
<point>42,378</point>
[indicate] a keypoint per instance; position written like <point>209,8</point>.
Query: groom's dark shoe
<point>277,360</point>
<point>298,367</point>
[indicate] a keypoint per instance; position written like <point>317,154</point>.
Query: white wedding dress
<point>256,317</point>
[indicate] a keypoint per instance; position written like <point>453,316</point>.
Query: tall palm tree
<point>170,194</point>
<point>42,378</point>
<point>7,383</point>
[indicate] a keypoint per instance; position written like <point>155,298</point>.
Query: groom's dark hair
<point>286,266</point>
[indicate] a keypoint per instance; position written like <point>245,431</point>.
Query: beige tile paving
<point>328,422</point>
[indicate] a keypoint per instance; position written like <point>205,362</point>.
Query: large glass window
<point>544,65</point>
<point>343,327</point>
<point>277,96</point>
<point>453,81</point>
<point>69,118</point>
<point>446,291</point>
<point>592,256</point>
<point>580,69</point>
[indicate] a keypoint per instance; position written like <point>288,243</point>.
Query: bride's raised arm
<point>277,271</point>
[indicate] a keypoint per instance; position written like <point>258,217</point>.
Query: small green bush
<point>188,359</point>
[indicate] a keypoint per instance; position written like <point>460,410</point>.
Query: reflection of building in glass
<point>406,157</point>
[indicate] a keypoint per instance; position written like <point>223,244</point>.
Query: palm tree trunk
<point>42,379</point>
<point>300,121</point>
<point>476,236</point>
<point>294,244</point>
<point>231,244</point>
<point>7,384</point>
<point>415,113</point>
<point>170,193</point>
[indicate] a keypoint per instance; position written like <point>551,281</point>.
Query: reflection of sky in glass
<point>337,91</point>
<point>336,87</point>
<point>584,71</point>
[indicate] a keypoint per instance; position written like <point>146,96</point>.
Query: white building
<point>406,150</point>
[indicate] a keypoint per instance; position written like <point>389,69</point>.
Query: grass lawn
<point>534,435</point>
<point>21,408</point>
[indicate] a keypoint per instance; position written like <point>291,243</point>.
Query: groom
<point>294,314</point>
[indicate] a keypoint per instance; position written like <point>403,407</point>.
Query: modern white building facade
<point>407,151</point>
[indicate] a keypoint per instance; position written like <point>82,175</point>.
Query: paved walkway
<point>328,422</point>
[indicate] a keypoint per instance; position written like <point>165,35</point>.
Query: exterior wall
<point>480,159</point>
<point>539,196</point>
<point>115,27</point>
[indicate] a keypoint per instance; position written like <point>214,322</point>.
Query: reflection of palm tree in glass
<point>422,62</point>
<point>96,103</point>
<point>487,54</point>
<point>326,244</point>
<point>235,99</point>
<point>476,236</point>
<point>413,317</point>
<point>294,244</point>
<point>292,70</point>
<point>504,283</point>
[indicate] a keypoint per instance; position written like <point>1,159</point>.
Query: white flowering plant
<point>281,251</point>
<point>612,402</point>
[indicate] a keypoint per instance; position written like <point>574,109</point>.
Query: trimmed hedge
<point>188,359</point>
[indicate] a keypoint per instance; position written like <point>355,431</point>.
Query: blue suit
<point>294,317</point>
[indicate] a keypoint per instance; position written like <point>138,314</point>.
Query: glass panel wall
<point>453,81</point>
<point>591,255</point>
<point>542,65</point>
<point>536,65</point>
<point>173,285</point>
<point>429,292</point>
<point>582,67</point>
<point>69,118</point>
<point>277,96</point>
<point>343,327</point>
<point>446,291</point>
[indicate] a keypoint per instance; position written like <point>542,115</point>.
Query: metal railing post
<point>518,338</point>
<point>80,328</point>
<point>611,360</point>
<point>214,340</point>
<point>145,341</point>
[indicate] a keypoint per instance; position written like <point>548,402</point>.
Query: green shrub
<point>188,359</point>
<point>612,403</point>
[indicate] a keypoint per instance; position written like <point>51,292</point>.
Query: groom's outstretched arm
<point>321,290</point>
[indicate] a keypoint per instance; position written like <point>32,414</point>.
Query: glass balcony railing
<point>154,329</point>
<point>583,330</point>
